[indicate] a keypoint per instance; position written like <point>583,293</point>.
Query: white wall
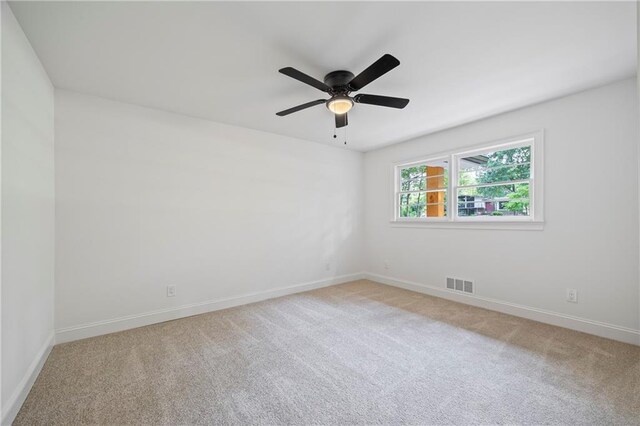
<point>146,199</point>
<point>638,89</point>
<point>27,214</point>
<point>591,153</point>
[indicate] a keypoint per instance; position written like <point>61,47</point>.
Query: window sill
<point>501,225</point>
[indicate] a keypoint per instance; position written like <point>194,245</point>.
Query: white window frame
<point>534,221</point>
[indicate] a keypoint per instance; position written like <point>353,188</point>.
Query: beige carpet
<point>349,354</point>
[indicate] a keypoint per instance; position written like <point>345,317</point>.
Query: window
<point>423,190</point>
<point>495,182</point>
<point>498,182</point>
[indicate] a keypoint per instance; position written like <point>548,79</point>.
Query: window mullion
<point>419,191</point>
<point>453,187</point>
<point>499,183</point>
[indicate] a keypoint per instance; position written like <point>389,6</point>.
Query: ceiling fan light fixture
<point>340,104</point>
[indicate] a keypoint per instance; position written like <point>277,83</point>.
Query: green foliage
<point>519,200</point>
<point>415,179</point>
<point>466,179</point>
<point>504,166</point>
<point>412,205</point>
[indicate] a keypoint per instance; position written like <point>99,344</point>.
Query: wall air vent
<point>450,284</point>
<point>458,284</point>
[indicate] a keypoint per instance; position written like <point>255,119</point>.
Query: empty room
<point>332,213</point>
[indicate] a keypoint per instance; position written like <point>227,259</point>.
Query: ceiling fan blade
<point>386,101</point>
<point>300,107</point>
<point>375,70</point>
<point>341,120</point>
<point>300,76</point>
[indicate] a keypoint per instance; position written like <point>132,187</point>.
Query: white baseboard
<point>147,318</point>
<point>610,331</point>
<point>20,394</point>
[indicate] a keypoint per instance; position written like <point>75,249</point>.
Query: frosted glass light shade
<point>340,104</point>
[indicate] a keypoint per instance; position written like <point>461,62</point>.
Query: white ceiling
<point>459,61</point>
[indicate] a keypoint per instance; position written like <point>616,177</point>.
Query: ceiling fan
<point>339,84</point>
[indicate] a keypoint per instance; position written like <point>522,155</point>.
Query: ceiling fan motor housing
<point>339,81</point>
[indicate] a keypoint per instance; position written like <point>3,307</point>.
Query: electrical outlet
<point>572,295</point>
<point>327,266</point>
<point>386,264</point>
<point>171,290</point>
